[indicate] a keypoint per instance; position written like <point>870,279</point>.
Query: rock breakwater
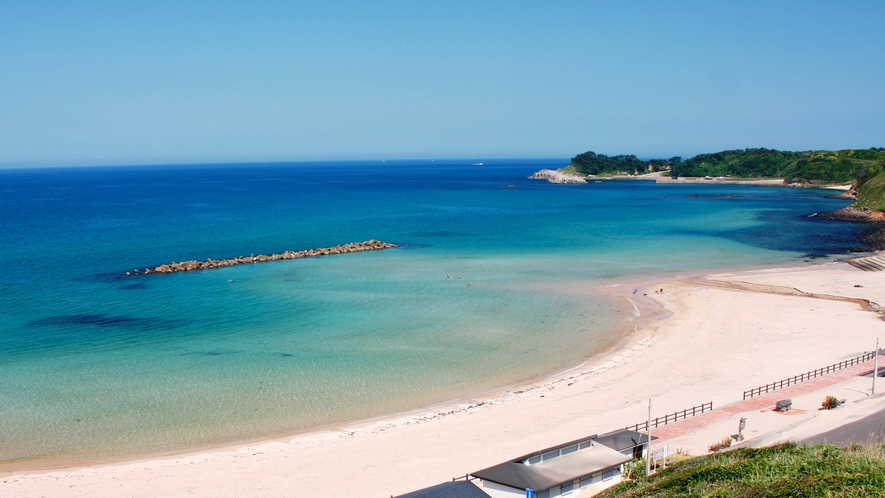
<point>554,176</point>
<point>369,245</point>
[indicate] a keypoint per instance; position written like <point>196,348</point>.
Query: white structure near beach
<point>582,467</point>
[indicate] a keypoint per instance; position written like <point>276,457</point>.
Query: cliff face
<point>554,176</point>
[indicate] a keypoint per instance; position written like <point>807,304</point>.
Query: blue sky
<point>155,82</point>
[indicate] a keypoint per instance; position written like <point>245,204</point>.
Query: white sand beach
<point>698,341</point>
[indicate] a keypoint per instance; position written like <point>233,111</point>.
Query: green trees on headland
<point>842,166</point>
<point>864,167</point>
<point>823,167</point>
<point>591,163</point>
<point>746,163</point>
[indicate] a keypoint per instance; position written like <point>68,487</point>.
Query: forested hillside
<point>591,163</point>
<point>816,167</point>
<point>746,163</point>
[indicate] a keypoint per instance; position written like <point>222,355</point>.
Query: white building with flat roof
<point>582,467</point>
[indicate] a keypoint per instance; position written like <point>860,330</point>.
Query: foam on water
<point>99,365</point>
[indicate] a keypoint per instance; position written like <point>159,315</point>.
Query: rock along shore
<point>554,176</point>
<point>855,214</point>
<point>369,245</point>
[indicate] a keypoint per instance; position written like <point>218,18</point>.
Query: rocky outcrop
<point>851,193</point>
<point>554,176</point>
<point>873,239</point>
<point>854,214</point>
<point>369,245</point>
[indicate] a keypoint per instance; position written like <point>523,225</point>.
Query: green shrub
<point>635,469</point>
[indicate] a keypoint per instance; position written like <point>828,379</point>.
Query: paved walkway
<point>723,418</point>
<point>865,430</point>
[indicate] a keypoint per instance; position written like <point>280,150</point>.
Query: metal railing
<point>672,417</point>
<point>774,386</point>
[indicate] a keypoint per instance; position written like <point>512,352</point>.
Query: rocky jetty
<point>554,176</point>
<point>369,245</point>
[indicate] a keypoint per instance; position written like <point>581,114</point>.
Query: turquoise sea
<point>98,365</point>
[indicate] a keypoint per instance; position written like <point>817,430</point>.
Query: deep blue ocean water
<point>99,365</point>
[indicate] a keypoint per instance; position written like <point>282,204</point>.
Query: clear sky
<point>154,82</point>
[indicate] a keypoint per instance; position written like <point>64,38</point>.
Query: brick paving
<point>759,403</point>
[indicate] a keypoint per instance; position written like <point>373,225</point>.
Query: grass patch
<point>571,170</point>
<point>785,470</point>
<point>872,194</point>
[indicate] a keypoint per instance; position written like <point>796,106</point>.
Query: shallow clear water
<point>98,365</point>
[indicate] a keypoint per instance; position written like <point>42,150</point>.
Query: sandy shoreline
<point>694,343</point>
<point>643,310</point>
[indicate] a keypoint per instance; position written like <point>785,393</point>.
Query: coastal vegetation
<point>815,167</point>
<point>591,163</point>
<point>863,168</point>
<point>868,191</point>
<point>781,470</point>
<point>869,188</point>
<point>842,166</point>
<point>811,167</point>
<point>746,163</point>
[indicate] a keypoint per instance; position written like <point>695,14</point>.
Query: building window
<point>543,494</point>
<point>534,459</point>
<point>570,449</point>
<point>610,473</point>
<point>550,454</point>
<point>586,444</point>
<point>568,487</point>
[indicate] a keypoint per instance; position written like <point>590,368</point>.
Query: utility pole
<point>648,447</point>
<point>875,367</point>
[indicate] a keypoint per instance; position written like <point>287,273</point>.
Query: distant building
<point>584,466</point>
